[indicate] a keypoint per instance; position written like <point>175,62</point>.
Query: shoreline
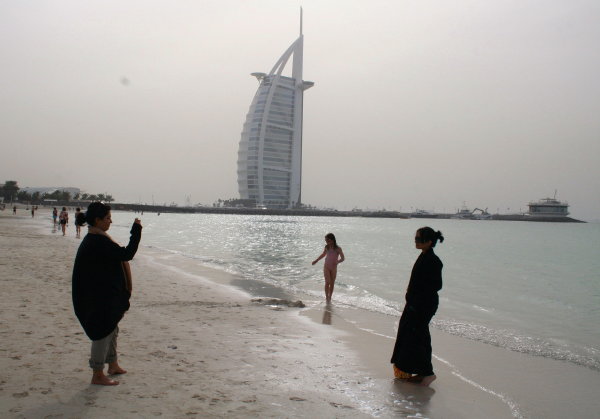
<point>192,347</point>
<point>313,212</point>
<point>335,359</point>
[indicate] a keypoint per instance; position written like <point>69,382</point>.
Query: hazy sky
<point>416,104</point>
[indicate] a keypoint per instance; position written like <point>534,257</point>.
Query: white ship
<point>548,207</point>
<point>420,213</point>
<point>477,214</point>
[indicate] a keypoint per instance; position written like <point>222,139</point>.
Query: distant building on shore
<point>269,165</point>
<point>548,207</point>
<point>51,189</point>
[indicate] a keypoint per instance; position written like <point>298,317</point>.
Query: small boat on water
<point>548,207</point>
<point>477,214</point>
<point>420,213</point>
<point>462,214</point>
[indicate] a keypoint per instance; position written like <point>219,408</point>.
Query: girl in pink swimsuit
<point>333,255</point>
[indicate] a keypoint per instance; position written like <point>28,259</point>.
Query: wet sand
<point>196,346</point>
<point>474,379</point>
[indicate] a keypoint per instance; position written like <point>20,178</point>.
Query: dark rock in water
<point>278,302</point>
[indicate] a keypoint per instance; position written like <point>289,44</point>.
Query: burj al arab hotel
<point>269,163</point>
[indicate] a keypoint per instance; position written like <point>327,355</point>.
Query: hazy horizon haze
<point>416,104</point>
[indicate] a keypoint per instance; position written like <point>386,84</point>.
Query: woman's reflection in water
<point>408,400</point>
<point>327,313</point>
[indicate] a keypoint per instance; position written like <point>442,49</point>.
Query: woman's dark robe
<point>412,351</point>
<point>100,296</point>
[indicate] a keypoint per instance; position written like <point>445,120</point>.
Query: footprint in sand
<point>339,405</point>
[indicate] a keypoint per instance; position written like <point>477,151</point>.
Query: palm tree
<point>10,189</point>
<point>23,196</point>
<point>65,196</point>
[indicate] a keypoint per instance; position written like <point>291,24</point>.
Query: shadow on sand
<point>77,406</point>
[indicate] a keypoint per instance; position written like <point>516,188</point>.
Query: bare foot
<point>103,380</point>
<point>115,369</point>
<point>422,380</point>
<point>415,379</point>
<point>398,373</point>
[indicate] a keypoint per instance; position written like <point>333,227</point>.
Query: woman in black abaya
<point>102,288</point>
<point>412,352</point>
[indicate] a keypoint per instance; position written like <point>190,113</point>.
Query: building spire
<point>275,182</point>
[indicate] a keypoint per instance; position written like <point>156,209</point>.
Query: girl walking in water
<point>333,255</point>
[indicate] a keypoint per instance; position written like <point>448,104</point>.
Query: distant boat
<point>477,214</point>
<point>419,213</point>
<point>548,207</point>
<point>481,215</point>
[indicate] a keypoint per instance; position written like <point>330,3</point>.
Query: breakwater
<point>325,213</point>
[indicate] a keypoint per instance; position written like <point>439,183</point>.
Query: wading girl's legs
<point>330,275</point>
<point>327,280</point>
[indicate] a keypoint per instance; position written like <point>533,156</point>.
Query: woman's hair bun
<point>439,236</point>
<point>429,234</point>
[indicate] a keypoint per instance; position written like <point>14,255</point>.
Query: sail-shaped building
<point>269,163</point>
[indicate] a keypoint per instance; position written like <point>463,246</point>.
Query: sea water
<point>526,286</point>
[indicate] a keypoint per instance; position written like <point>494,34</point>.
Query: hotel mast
<point>270,152</point>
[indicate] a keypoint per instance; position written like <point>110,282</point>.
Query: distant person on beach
<point>32,211</point>
<point>79,222</point>
<point>333,256</point>
<point>102,288</point>
<point>15,210</point>
<point>412,351</point>
<point>63,218</point>
<point>54,215</point>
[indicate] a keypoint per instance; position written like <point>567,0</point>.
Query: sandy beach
<point>195,345</point>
